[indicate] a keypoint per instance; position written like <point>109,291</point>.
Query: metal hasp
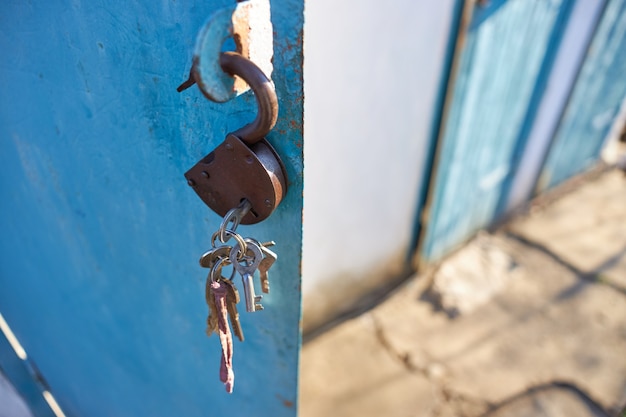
<point>245,165</point>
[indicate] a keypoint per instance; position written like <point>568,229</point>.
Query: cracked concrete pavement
<point>549,339</point>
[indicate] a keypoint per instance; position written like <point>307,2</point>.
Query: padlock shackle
<point>263,88</point>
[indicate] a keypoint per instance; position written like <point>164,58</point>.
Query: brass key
<point>211,321</point>
<point>232,298</point>
<point>209,258</point>
<point>216,264</point>
<point>227,375</point>
<point>269,258</point>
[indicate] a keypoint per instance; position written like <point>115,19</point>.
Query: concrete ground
<point>527,321</point>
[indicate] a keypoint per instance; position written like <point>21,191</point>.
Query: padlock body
<point>234,171</point>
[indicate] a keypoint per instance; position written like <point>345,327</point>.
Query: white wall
<point>579,31</point>
<point>372,72</point>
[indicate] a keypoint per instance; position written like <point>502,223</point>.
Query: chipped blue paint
<point>597,96</point>
<point>101,235</point>
<point>438,116</point>
<point>506,55</point>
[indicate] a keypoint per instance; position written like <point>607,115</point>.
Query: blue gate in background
<point>508,53</point>
<point>595,101</point>
<point>101,236</point>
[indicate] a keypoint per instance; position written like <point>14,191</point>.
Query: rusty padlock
<point>245,165</point>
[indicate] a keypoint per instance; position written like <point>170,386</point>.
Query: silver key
<point>247,270</point>
<point>269,258</point>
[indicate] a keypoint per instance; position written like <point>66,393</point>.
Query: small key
<point>232,299</point>
<point>246,270</point>
<point>211,321</point>
<point>209,258</point>
<point>227,375</point>
<point>269,258</point>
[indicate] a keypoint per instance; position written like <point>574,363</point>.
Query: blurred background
<point>479,144</point>
<point>451,116</point>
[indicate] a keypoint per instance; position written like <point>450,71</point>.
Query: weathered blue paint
<point>580,28</point>
<point>456,28</point>
<point>541,84</point>
<point>596,98</point>
<point>507,53</point>
<point>101,235</point>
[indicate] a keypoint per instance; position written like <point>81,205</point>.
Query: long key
<point>232,299</point>
<point>227,375</point>
<point>247,270</point>
<point>211,321</point>
<point>269,258</point>
<point>214,274</point>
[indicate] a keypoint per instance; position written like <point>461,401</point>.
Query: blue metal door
<point>596,98</point>
<point>101,235</point>
<point>508,52</point>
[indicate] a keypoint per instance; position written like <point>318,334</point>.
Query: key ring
<point>217,268</point>
<point>238,254</point>
<point>234,215</point>
<point>229,233</point>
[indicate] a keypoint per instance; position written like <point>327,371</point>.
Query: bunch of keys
<point>247,255</point>
<point>243,171</point>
